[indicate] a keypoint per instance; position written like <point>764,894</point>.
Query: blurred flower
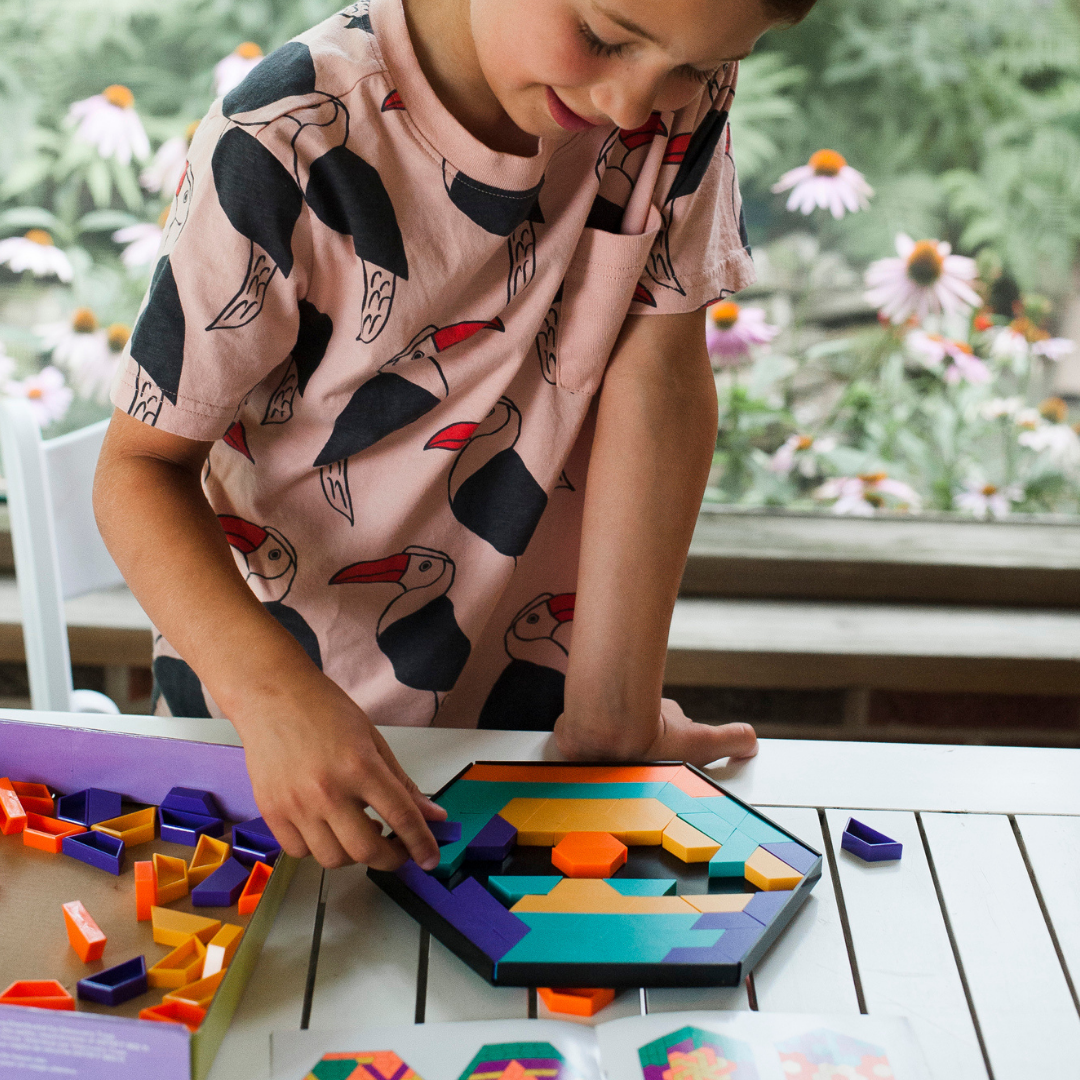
<point>1059,442</point>
<point>109,122</point>
<point>7,365</point>
<point>168,166</point>
<point>1022,339</point>
<point>862,495</point>
<point>983,500</point>
<point>37,253</point>
<point>1028,418</point>
<point>93,380</point>
<point>828,181</point>
<point>231,71</point>
<point>45,393</point>
<point>730,330</point>
<point>74,343</point>
<point>142,240</point>
<point>925,278</point>
<point>801,452</point>
<point>999,408</point>
<point>933,350</point>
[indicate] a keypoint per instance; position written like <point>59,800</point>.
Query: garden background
<point>963,116</point>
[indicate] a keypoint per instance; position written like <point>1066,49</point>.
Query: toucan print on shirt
<point>393,336</point>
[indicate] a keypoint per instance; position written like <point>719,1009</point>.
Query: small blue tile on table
<point>869,844</point>
<point>115,985</point>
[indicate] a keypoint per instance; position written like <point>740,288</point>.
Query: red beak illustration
<point>634,137</point>
<point>243,535</point>
<point>388,569</point>
<point>453,437</point>
<point>676,148</point>
<point>457,332</point>
<point>562,606</point>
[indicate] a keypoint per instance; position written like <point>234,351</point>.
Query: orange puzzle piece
<point>201,992</point>
<point>145,890</point>
<point>47,833</point>
<point>221,948</point>
<point>40,993</point>
<point>174,927</point>
<point>769,873</point>
<point>12,813</point>
<point>588,854</point>
<point>210,854</point>
<point>182,966</point>
<point>253,890</point>
<point>171,880</point>
<point>175,1012</point>
<point>35,798</point>
<point>576,1002</point>
<point>84,934</point>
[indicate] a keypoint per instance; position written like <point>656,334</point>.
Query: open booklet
<point>660,1046</point>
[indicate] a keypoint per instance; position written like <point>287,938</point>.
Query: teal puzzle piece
<point>643,886</point>
<point>723,807</point>
<point>730,860</point>
<point>510,888</point>
<point>713,827</point>
<point>762,831</point>
<point>674,798</point>
<point>451,856</point>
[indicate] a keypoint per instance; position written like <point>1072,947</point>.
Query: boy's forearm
<point>655,434</point>
<point>173,553</point>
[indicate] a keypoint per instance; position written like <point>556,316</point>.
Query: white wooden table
<point>973,934</point>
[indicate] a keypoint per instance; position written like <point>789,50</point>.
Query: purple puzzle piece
<point>253,842</point>
<point>180,827</point>
<point>90,806</point>
<point>730,949</point>
<point>97,849</point>
<point>727,920</point>
<point>445,832</point>
<point>869,844</point>
<point>493,842</point>
<point>763,906</point>
<point>192,801</point>
<point>794,855</point>
<point>223,887</point>
<point>115,985</point>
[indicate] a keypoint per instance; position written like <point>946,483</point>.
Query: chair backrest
<point>58,550</point>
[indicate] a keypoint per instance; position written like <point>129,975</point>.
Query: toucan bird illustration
<point>528,695</point>
<point>492,492</point>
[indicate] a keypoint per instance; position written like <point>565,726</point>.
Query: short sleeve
<point>701,252</point>
<point>222,309</point>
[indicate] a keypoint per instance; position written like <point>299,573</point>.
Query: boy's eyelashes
<point>598,47</point>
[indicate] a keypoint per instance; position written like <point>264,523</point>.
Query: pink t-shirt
<point>393,335</point>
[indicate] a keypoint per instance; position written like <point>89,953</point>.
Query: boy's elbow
<point>600,741</point>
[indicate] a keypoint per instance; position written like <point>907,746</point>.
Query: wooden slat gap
<point>313,956</point>
<point>751,992</point>
<point>838,892</point>
<point>534,1005</point>
<point>421,975</point>
<point>953,945</point>
<point>1045,911</point>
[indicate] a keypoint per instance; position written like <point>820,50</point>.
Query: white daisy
<point>166,169</point>
<point>142,240</point>
<point>37,253</point>
<point>75,343</point>
<point>986,500</point>
<point>1059,442</point>
<point>7,365</point>
<point>45,392</point>
<point>860,496</point>
<point>730,330</point>
<point>801,452</point>
<point>953,360</point>
<point>94,379</point>
<point>232,71</point>
<point>1022,339</point>
<point>999,408</point>
<point>925,278</point>
<point>108,122</point>
<point>828,181</point>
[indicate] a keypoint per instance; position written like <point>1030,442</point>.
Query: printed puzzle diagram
<point>497,1061</point>
<point>693,1054</point>
<point>604,875</point>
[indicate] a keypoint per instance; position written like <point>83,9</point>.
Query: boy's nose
<point>627,102</point>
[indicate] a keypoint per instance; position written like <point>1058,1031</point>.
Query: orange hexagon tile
<point>588,855</point>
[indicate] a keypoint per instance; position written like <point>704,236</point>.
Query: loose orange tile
<point>769,873</point>
<point>84,934</point>
<point>39,993</point>
<point>253,890</point>
<point>137,828</point>
<point>47,834</point>
<point>173,927</point>
<point>182,966</point>
<point>221,948</point>
<point>35,798</point>
<point>145,890</point>
<point>175,1012</point>
<point>210,854</point>
<point>574,1001</point>
<point>12,812</point>
<point>170,877</point>
<point>200,993</point>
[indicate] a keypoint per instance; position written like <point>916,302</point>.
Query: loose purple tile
<point>253,842</point>
<point>115,985</point>
<point>869,844</point>
<point>223,887</point>
<point>180,827</point>
<point>493,842</point>
<point>90,806</point>
<point>96,849</point>
<point>445,832</point>
<point>192,801</point>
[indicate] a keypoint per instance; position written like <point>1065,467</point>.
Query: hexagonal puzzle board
<point>706,885</point>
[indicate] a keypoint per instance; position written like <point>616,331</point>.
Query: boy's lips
<point>564,117</point>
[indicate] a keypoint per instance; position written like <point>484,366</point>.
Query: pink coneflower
<point>75,342</point>
<point>141,243</point>
<point>861,495</point>
<point>925,278</point>
<point>36,252</point>
<point>801,452</point>
<point>935,352</point>
<point>1022,339</point>
<point>45,392</point>
<point>730,330</point>
<point>165,171</point>
<point>986,500</point>
<point>828,181</point>
<point>232,71</point>
<point>108,122</point>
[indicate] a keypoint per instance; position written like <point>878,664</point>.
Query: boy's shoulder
<point>321,65</point>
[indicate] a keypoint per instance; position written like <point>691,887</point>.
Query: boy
<point>406,251</point>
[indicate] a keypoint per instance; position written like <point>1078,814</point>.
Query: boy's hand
<point>681,739</point>
<point>316,763</point>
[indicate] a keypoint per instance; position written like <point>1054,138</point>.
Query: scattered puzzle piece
<point>869,844</point>
<point>574,1001</point>
<point>183,965</point>
<point>115,985</point>
<point>38,993</point>
<point>173,927</point>
<point>253,889</point>
<point>84,934</point>
<point>170,877</point>
<point>221,948</point>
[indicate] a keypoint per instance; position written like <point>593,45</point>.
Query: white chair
<point>58,550</point>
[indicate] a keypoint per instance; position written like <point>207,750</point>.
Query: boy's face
<point>558,65</point>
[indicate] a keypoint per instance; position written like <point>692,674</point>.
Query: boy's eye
<point>598,47</point>
<point>696,74</point>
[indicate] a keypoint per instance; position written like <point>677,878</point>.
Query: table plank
<point>274,994</point>
<point>1053,847</point>
<point>727,998</point>
<point>807,969</point>
<point>368,957</point>
<point>456,992</point>
<point>1026,1014</point>
<point>902,951</point>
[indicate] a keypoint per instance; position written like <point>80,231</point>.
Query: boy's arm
<point>315,759</point>
<point>655,436</point>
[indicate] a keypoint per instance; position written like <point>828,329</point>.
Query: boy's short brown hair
<point>789,11</point>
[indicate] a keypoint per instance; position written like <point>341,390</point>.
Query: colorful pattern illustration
<point>370,1065</point>
<point>517,1061</point>
<point>829,1055</point>
<point>693,1054</point>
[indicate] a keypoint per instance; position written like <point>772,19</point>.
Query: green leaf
<point>105,221</point>
<point>99,182</point>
